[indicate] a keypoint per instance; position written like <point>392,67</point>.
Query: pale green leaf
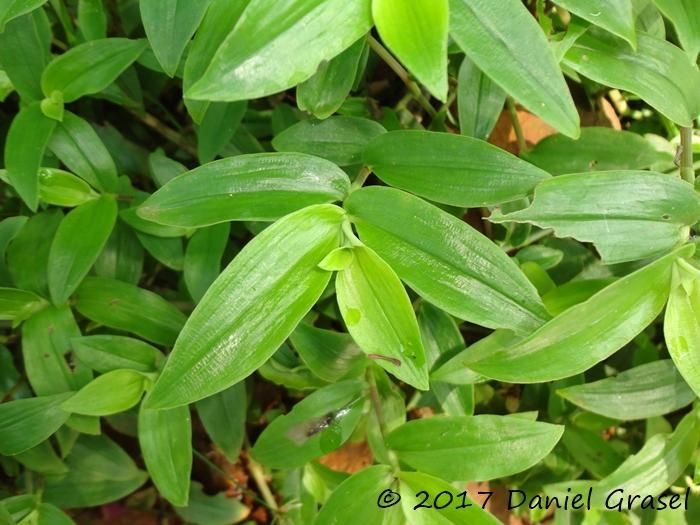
<point>416,32</point>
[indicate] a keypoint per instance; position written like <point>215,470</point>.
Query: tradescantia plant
<point>276,230</point>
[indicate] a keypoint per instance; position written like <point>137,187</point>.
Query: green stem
<point>360,179</point>
<point>401,72</point>
<point>522,145</point>
<point>687,171</point>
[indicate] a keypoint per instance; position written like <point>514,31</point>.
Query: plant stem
<point>687,171</point>
<point>259,477</point>
<point>522,145</point>
<point>166,131</point>
<point>360,178</point>
<point>401,72</point>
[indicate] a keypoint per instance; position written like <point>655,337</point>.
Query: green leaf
<point>591,451</point>
<point>127,307</point>
<point>52,515</point>
<point>104,353</point>
<point>224,417</point>
<point>203,258</point>
<point>46,348</point>
<point>169,26</point>
<point>25,144</point>
<point>330,355</point>
<point>15,8</point>
<point>416,32</point>
<point>353,501</point>
<point>597,149</point>
<point>52,106</point>
<point>473,447</point>
<point>27,422</point>
<point>378,314</point>
<point>115,391</point>
<point>62,188</point>
<point>78,242</point>
<point>218,509</point>
<point>99,472</point>
<point>262,186</point>
<point>90,67</point>
<point>338,139</point>
<point>25,49</point>
<point>168,251</point>
<point>441,337</point>
<point>682,322</point>
<point>616,17</point>
<point>325,92</point>
<point>131,217</point>
<point>251,308</point>
<point>42,459</point>
<point>35,236</point>
<point>479,99</point>
<point>78,146</point>
<point>219,20</point>
<point>275,46</point>
<point>459,510</point>
<point>9,227</point>
<point>584,334</point>
<point>505,42</point>
<point>17,305</point>
<point>659,463</point>
<point>165,437</point>
<point>217,128</point>
<point>92,19</point>
<point>445,260</point>
<point>649,390</point>
<point>685,17</point>
<point>615,210</point>
<point>650,71</point>
<point>451,169</point>
<point>317,425</point>
<point>122,256</point>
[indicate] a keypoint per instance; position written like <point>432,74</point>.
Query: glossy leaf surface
<point>614,210</point>
<point>584,334</point>
<point>251,308</point>
<point>473,447</point>
<point>649,72</point>
<point>115,391</point>
<point>261,186</point>
<point>451,169</point>
<point>274,47</point>
<point>378,314</point>
<point>616,17</point>
<point>649,390</point>
<point>445,260</point>
<point>505,42</point>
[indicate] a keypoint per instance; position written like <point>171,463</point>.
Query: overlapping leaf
<point>628,215</point>
<point>251,308</point>
<point>445,260</point>
<point>261,186</point>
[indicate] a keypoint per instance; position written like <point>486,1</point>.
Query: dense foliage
<point>241,241</point>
